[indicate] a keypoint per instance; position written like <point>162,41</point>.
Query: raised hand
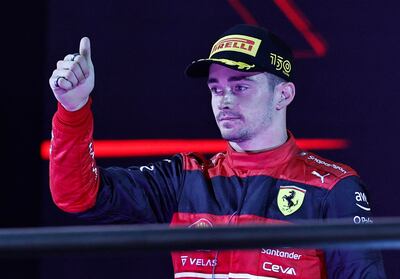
<point>73,79</point>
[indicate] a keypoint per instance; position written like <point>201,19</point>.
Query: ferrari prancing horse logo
<point>290,199</point>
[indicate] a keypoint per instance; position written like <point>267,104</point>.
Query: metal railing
<point>43,241</point>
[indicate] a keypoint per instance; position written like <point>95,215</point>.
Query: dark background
<point>139,49</point>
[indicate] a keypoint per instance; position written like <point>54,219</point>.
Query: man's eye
<point>216,90</point>
<point>240,88</point>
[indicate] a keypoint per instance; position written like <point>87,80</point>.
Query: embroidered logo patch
<point>281,64</point>
<point>239,43</point>
<point>201,223</point>
<point>290,199</point>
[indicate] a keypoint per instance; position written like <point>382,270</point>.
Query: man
<point>263,177</point>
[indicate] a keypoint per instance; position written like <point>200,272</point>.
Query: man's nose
<point>226,101</point>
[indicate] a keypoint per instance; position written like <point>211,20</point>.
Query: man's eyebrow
<point>234,78</point>
<point>212,80</point>
<point>237,78</point>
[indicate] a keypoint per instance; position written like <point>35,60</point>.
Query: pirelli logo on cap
<point>240,43</point>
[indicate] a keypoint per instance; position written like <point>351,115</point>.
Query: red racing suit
<point>283,185</point>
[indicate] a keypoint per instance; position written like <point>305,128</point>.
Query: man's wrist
<point>74,118</point>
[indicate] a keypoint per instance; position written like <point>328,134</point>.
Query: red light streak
<point>162,147</point>
<point>299,21</point>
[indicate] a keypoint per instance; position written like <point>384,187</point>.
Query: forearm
<point>73,171</point>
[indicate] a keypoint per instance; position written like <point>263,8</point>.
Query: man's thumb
<point>84,48</point>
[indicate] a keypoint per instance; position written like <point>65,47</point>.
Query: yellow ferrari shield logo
<point>290,199</point>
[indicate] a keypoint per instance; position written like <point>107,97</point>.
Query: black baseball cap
<point>247,48</point>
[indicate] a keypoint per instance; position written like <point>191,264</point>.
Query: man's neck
<point>268,141</point>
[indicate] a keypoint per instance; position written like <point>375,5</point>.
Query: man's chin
<point>232,136</point>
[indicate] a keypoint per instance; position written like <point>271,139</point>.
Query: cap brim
<point>199,68</point>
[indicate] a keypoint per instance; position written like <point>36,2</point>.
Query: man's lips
<point>227,116</point>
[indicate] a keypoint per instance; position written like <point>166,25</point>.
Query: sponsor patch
<point>239,43</point>
<point>198,261</point>
<point>281,254</point>
<point>281,64</point>
<point>290,199</point>
<point>201,223</point>
<point>321,176</point>
<point>268,266</point>
<point>334,166</point>
<point>362,220</point>
<point>362,201</point>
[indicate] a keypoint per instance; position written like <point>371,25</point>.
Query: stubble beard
<point>242,134</point>
<point>235,136</point>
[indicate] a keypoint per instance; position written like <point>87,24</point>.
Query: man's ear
<point>285,94</point>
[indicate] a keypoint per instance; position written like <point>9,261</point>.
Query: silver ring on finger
<point>56,81</point>
<point>74,55</point>
<point>56,84</point>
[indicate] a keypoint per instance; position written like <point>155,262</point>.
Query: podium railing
<point>43,241</point>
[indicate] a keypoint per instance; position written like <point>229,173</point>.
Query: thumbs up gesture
<point>73,79</point>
